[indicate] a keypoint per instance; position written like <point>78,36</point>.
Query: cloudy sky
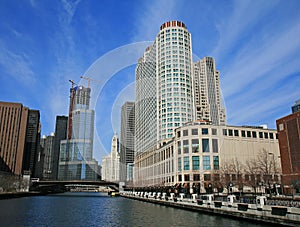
<point>43,44</point>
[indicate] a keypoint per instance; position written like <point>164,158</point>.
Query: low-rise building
<point>203,156</point>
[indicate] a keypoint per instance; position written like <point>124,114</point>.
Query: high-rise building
<point>288,128</point>
<point>145,102</point>
<point>76,153</point>
<point>60,134</point>
<point>111,163</point>
<point>296,106</point>
<point>207,92</point>
<point>127,139</point>
<point>13,121</point>
<point>32,143</point>
<point>48,148</point>
<point>164,99</point>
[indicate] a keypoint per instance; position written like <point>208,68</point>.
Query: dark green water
<point>95,209</point>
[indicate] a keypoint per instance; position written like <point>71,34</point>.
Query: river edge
<point>14,195</point>
<point>259,215</point>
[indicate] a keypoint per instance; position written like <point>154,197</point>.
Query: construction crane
<point>72,82</point>
<point>89,80</point>
<point>70,118</point>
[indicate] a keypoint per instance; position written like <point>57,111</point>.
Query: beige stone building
<point>212,156</point>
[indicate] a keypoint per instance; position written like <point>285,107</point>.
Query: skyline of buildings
<point>178,127</point>
<point>191,141</point>
<point>172,90</point>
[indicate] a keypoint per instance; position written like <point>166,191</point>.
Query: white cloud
<point>255,63</point>
<point>245,15</point>
<point>17,65</point>
<point>70,8</point>
<point>152,15</point>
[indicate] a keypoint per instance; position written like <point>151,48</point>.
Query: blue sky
<point>45,43</point>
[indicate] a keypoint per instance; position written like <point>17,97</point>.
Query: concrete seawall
<point>288,216</point>
<point>13,195</point>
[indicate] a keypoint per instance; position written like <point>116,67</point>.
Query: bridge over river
<point>60,186</point>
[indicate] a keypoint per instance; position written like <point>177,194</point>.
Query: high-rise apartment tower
<point>207,92</point>
<point>164,99</point>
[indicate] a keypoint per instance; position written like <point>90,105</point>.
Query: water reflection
<point>98,209</point>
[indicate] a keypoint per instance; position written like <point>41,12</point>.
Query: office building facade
<point>111,163</point>
<point>32,144</point>
<point>76,153</point>
<point>288,128</point>
<point>13,122</point>
<point>199,154</point>
<point>127,139</point>
<point>48,150</point>
<point>61,126</point>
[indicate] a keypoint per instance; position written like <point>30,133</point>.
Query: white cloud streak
<point>152,15</point>
<point>17,65</point>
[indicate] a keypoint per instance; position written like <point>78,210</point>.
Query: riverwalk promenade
<point>260,212</point>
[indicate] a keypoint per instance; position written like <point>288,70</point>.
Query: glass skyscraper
<point>76,153</point>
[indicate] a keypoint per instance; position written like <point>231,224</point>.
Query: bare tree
<point>231,174</point>
<point>252,173</point>
<point>268,167</point>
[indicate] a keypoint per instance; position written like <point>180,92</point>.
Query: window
<point>216,177</point>
<point>271,136</point>
<point>186,163</point>
<point>179,178</point>
<point>230,132</point>
<point>179,147</point>
<point>216,162</point>
<point>194,131</point>
<point>205,131</point>
<point>195,145</point>
<point>247,177</point>
<point>248,134</point>
<point>195,163</point>
<point>206,163</point>
<point>254,134</point>
<point>224,132</point>
<point>185,132</point>
<point>214,131</point>
<point>233,177</point>
<point>236,132</point>
<point>261,135</point>
<point>207,177</point>
<point>215,146</point>
<point>266,135</point>
<point>243,133</point>
<point>205,145</point>
<point>185,146</point>
<point>196,177</point>
<point>179,164</point>
<point>280,126</point>
<point>186,177</point>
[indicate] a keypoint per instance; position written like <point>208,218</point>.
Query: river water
<point>96,209</point>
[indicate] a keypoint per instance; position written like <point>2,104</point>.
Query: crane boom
<point>89,80</point>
